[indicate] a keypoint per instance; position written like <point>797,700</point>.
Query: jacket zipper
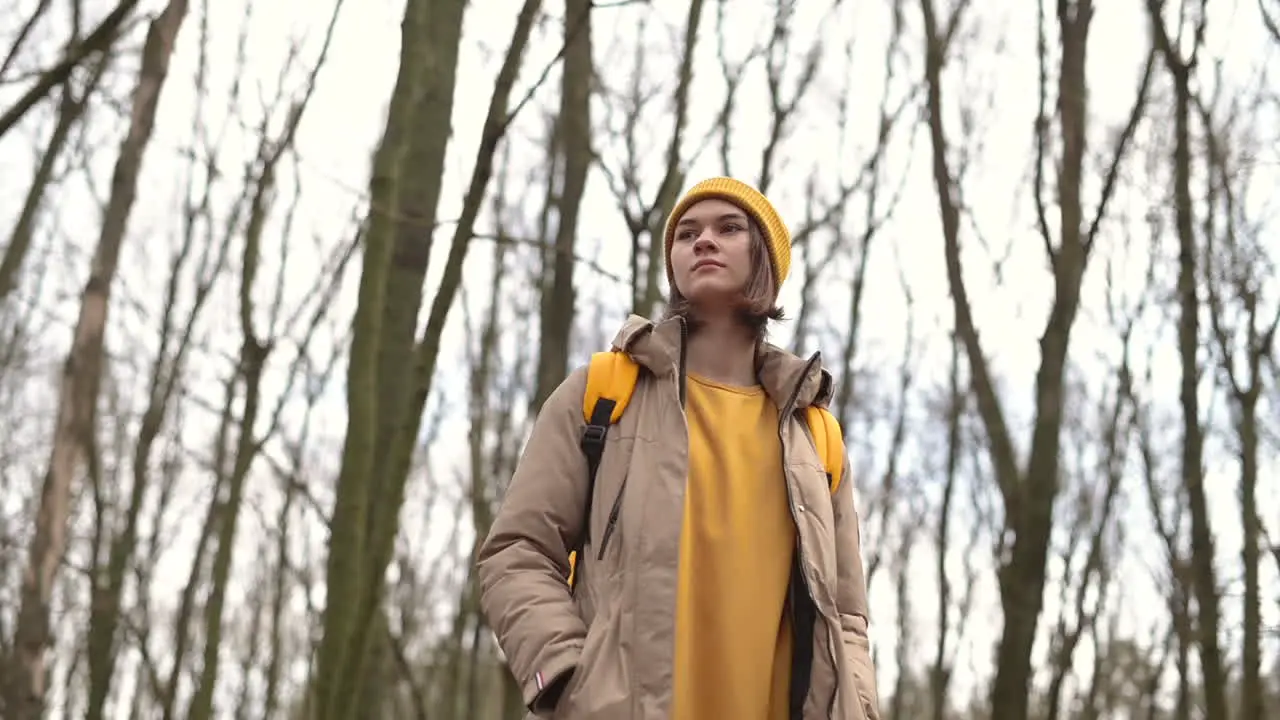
<point>783,418</point>
<point>616,508</point>
<point>681,377</point>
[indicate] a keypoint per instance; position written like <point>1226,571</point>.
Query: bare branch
<point>98,41</point>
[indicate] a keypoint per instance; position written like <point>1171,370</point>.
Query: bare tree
<point>1028,492</point>
<point>645,218</point>
<point>869,180</point>
<point>570,166</point>
<point>891,493</point>
<point>26,685</point>
<point>1092,524</point>
<point>396,248</point>
<point>383,419</point>
<point>1181,68</point>
<point>905,703</point>
<point>459,700</point>
<point>1178,584</point>
<point>1237,270</point>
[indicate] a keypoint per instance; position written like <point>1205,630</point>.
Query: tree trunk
<point>574,129</point>
<point>78,395</point>
<point>1237,272</point>
<point>1028,494</point>
<point>404,190</point>
<point>383,418</point>
<point>1202,552</point>
<point>940,673</point>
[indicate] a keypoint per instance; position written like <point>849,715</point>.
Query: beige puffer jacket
<point>615,631</point>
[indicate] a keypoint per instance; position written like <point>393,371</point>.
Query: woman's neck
<point>723,351</point>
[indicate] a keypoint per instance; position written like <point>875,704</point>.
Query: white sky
<point>345,121</point>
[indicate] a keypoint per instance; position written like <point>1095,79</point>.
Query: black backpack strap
<point>592,444</point>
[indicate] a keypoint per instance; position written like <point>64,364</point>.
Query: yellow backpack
<point>611,379</point>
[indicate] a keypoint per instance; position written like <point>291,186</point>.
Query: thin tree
<point>26,684</point>
<point>1237,273</point>
<point>573,145</point>
<point>1181,68</point>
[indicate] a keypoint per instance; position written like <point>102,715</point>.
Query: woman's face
<point>711,253</point>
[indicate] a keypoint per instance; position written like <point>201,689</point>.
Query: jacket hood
<point>656,346</point>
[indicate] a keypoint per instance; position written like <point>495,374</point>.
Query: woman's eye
<point>731,229</point>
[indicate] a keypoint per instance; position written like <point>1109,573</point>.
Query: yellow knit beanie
<point>755,204</point>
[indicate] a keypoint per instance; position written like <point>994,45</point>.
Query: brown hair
<point>759,302</point>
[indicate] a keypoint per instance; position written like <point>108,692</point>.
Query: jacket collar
<point>656,346</point>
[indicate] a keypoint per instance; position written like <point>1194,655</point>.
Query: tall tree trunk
<point>1202,552</point>
<point>174,343</point>
<point>1028,494</point>
<point>573,143</point>
<point>574,128</point>
<point>108,590</point>
<point>397,242</point>
<point>384,523</point>
<point>25,688</point>
<point>382,434</point>
<point>1237,271</point>
<point>940,673</point>
<point>1252,691</point>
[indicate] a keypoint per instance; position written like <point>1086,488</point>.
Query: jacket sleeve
<point>851,595</point>
<point>523,564</point>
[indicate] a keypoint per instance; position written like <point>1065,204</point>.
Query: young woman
<point>721,577</point>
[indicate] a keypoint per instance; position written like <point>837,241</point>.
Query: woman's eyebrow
<point>721,218</point>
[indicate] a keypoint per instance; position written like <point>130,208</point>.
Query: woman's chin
<point>713,295</point>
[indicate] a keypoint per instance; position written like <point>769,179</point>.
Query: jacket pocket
<point>600,686</point>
